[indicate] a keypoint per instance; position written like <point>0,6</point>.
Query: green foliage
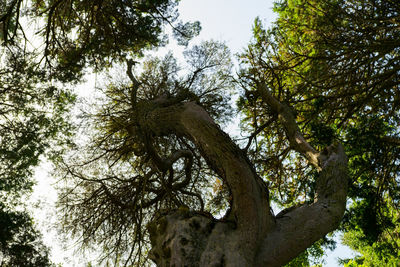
<point>354,263</point>
<point>20,243</point>
<point>9,12</point>
<point>75,35</point>
<point>383,252</point>
<point>336,65</point>
<point>184,32</point>
<point>32,117</point>
<point>101,33</point>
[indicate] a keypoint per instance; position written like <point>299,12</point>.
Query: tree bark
<point>251,235</point>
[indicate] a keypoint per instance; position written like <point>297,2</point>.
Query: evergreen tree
<point>157,178</point>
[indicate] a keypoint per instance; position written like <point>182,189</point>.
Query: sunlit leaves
<point>336,64</point>
<point>100,33</point>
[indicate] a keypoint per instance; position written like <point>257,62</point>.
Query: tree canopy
<point>335,63</point>
<point>34,95</point>
<point>150,174</point>
<point>31,118</point>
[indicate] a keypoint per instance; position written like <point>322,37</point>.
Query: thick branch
<point>6,18</point>
<point>135,84</point>
<point>296,139</point>
<point>165,164</point>
<point>256,238</point>
<point>250,207</point>
<point>300,227</point>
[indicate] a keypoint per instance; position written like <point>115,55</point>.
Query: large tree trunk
<point>251,235</point>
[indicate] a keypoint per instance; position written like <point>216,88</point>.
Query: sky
<point>227,20</point>
<point>222,20</point>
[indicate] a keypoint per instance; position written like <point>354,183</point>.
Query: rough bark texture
<point>252,235</point>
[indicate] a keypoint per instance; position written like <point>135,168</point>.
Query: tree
<point>156,142</point>
<point>77,34</point>
<point>33,111</point>
<point>159,179</point>
<point>34,104</point>
<point>31,119</point>
<point>335,63</point>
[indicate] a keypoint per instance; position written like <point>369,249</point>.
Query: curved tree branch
<point>135,84</point>
<point>293,133</point>
<point>250,204</point>
<point>251,235</point>
<point>298,228</point>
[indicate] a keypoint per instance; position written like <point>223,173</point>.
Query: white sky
<point>227,20</point>
<point>222,20</point>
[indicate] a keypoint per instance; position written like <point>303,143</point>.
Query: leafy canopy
<point>336,64</point>
<point>34,101</point>
<point>31,118</point>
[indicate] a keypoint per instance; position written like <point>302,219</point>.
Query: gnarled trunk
<point>251,235</point>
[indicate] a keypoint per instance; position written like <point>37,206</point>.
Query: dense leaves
<point>31,118</point>
<point>78,34</point>
<point>20,243</point>
<point>9,15</point>
<point>336,64</point>
<point>31,114</point>
<point>72,35</point>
